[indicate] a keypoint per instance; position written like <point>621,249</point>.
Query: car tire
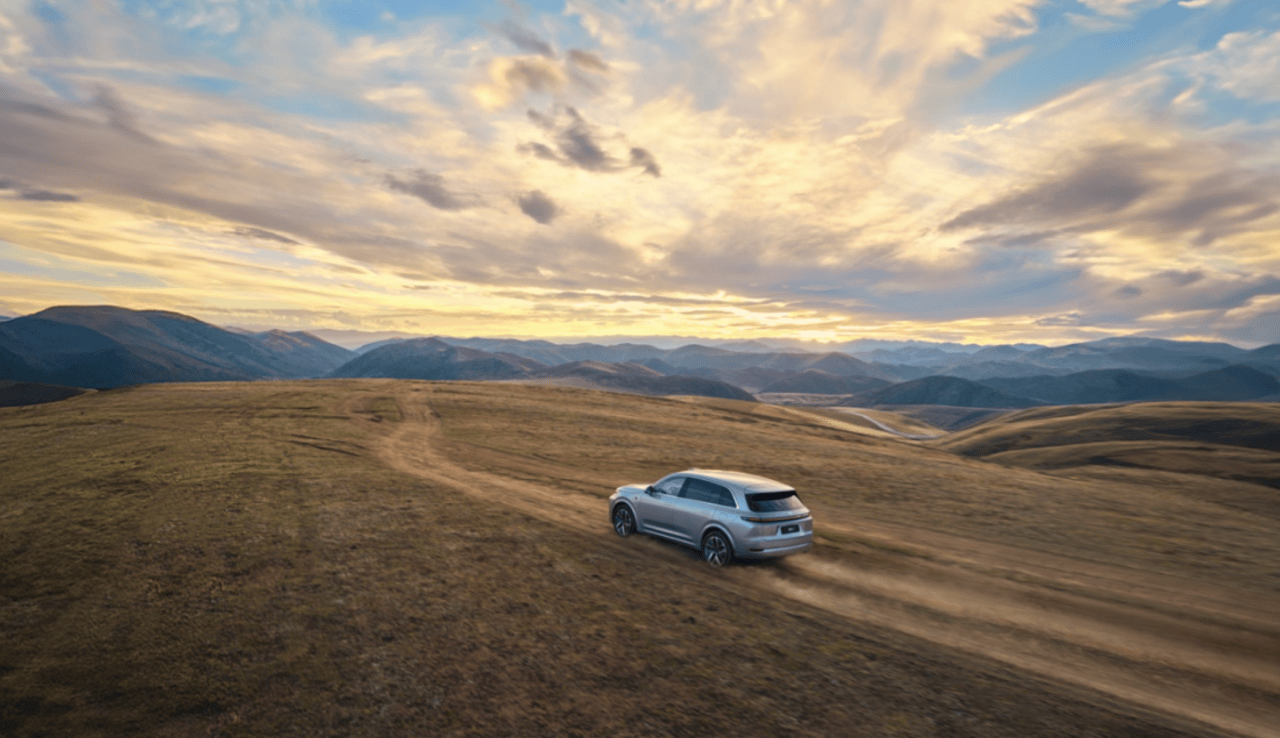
<point>716,549</point>
<point>624,521</point>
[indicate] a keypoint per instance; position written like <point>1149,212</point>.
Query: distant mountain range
<point>430,358</point>
<point>103,346</point>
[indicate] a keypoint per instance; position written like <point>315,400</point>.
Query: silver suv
<point>721,513</point>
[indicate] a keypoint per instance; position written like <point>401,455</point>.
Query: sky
<point>986,171</point>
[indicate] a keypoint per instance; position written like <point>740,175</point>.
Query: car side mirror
<point>650,490</point>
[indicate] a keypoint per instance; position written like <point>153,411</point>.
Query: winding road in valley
<point>1136,639</point>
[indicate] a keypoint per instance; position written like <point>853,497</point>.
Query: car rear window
<point>774,501</point>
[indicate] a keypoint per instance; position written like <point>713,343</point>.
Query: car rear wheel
<point>715,549</point>
<point>624,522</point>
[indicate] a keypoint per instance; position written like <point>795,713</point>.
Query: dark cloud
<point>533,74</point>
<point>542,151</point>
<point>36,195</point>
<point>119,117</point>
<point>525,40</point>
<point>588,61</point>
<point>1128,291</point>
<point>61,145</point>
<point>580,144</point>
<point>47,196</point>
<point>1200,192</point>
<point>263,235</point>
<point>427,187</point>
<point>538,206</point>
<point>1181,279</point>
<point>26,107</point>
<point>1229,295</point>
<point>1107,183</point>
<point>1215,205</point>
<point>545,122</point>
<point>1015,241</point>
<point>577,142</point>
<point>643,159</point>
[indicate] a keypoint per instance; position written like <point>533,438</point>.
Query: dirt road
<point>1149,641</point>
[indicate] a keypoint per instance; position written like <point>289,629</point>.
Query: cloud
<point>588,61</point>
<point>1191,191</point>
<point>1109,180</point>
<point>1065,319</point>
<point>525,40</point>
<point>577,142</point>
<point>1247,64</point>
<point>580,144</point>
<point>119,117</point>
<point>510,78</point>
<point>789,144</point>
<point>873,59</point>
<point>538,206</point>
<point>47,196</point>
<point>263,235</point>
<point>427,187</point>
<point>644,160</point>
<point>1127,7</point>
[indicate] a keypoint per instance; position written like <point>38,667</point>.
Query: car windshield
<point>774,501</point>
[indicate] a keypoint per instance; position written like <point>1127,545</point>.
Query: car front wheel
<point>715,549</point>
<point>624,523</point>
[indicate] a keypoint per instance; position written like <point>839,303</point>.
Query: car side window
<point>704,491</point>
<point>669,486</point>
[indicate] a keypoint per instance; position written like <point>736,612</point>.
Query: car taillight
<point>755,520</point>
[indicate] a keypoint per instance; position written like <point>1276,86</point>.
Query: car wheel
<point>624,523</point>
<point>715,549</point>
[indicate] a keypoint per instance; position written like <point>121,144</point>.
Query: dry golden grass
<point>1248,424</point>
<point>595,441</point>
<point>1201,451</point>
<point>239,559</point>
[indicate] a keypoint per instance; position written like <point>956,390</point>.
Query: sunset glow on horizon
<point>993,171</point>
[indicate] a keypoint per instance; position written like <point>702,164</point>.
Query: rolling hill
<point>1236,382</point>
<point>1226,453</point>
<point>816,381</point>
<point>300,354</point>
<point>431,358</point>
<point>938,390</point>
<point>106,346</point>
<point>1249,425</point>
<point>632,378</point>
<point>14,394</point>
<point>397,557</point>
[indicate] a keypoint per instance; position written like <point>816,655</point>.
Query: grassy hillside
<point>592,442</point>
<point>1248,424</point>
<point>1225,453</point>
<point>241,559</point>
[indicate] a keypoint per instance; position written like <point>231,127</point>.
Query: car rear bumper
<point>774,549</point>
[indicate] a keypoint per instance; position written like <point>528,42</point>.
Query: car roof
<point>751,482</point>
